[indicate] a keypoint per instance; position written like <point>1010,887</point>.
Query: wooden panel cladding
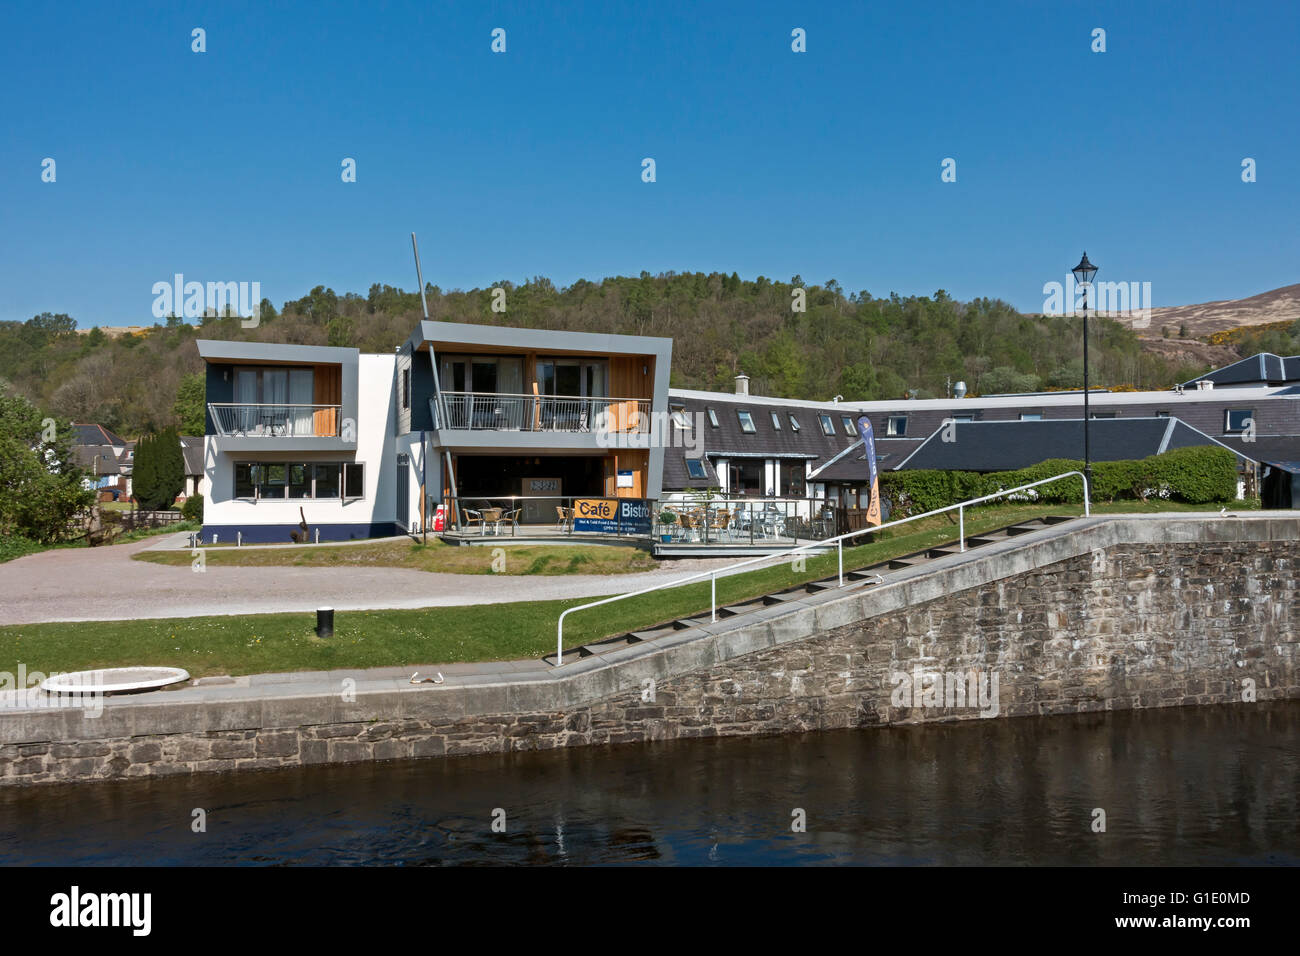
<point>327,389</point>
<point>626,378</point>
<point>636,461</point>
<point>630,376</point>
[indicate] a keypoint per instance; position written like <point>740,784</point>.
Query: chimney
<point>742,384</point>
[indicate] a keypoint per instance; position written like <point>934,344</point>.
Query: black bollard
<point>325,622</point>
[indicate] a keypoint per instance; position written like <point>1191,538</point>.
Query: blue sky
<point>225,165</point>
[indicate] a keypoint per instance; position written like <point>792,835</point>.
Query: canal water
<point>1178,786</point>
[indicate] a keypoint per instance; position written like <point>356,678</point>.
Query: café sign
<point>612,515</point>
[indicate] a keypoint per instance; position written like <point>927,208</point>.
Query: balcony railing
<point>490,411</point>
<point>275,421</point>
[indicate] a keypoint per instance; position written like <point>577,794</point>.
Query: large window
<point>277,397</point>
<point>494,374</point>
<point>354,480</point>
<point>299,480</point>
<point>746,477</point>
<point>792,478</point>
<point>1239,419</point>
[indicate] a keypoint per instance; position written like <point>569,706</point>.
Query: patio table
<point>491,516</point>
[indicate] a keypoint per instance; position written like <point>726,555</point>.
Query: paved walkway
<point>104,584</point>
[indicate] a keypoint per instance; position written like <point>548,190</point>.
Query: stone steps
<point>855,576</point>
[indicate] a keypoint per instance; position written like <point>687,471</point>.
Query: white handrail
<point>960,507</point>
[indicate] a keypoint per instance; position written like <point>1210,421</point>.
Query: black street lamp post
<point>1083,274</point>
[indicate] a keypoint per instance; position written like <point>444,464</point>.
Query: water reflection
<point>1178,786</point>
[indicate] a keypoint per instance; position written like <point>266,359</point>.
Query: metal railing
<point>275,421</point>
<point>839,540</point>
<point>491,411</point>
<point>503,514</point>
<point>756,521</point>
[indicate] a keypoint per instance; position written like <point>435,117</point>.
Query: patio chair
<point>470,517</point>
<point>510,518</point>
<point>563,518</point>
<point>720,524</point>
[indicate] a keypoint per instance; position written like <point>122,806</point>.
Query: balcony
<point>276,421</point>
<point>491,411</point>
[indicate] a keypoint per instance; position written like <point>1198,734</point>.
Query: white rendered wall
<point>376,449</point>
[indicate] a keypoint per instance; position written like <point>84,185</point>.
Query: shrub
<point>192,510</point>
<point>42,495</point>
<point>159,472</point>
<point>1196,475</point>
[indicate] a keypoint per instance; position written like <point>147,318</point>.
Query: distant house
<point>105,455</point>
<point>192,449</point>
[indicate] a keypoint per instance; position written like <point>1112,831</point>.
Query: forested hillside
<point>854,345</point>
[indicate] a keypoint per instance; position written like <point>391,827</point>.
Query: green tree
<point>159,473</point>
<point>190,405</point>
<point>42,490</point>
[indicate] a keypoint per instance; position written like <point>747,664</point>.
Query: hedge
<point>1195,475</point>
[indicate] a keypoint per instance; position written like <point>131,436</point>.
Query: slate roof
<point>85,456</point>
<point>96,435</point>
<point>1270,451</point>
<point>727,440</point>
<point>1005,445</point>
<point>1262,369</point>
<point>192,450</point>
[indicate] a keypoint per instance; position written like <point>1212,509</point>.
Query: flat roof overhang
<point>463,337</point>
<point>269,353</point>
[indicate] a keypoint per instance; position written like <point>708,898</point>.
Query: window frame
<point>1227,420</point>
<point>894,431</point>
<point>776,421</point>
<point>345,484</point>
<point>257,476</point>
<point>690,472</point>
<point>850,427</point>
<point>713,417</point>
<point>828,426</point>
<point>794,423</point>
<point>746,418</point>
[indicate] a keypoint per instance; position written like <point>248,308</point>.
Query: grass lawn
<point>435,556</point>
<point>267,643</point>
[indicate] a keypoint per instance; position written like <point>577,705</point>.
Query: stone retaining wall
<point>1112,626</point>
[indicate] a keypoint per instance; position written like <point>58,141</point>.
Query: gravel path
<point>104,584</point>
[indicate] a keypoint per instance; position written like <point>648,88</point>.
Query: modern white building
<point>357,445</point>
